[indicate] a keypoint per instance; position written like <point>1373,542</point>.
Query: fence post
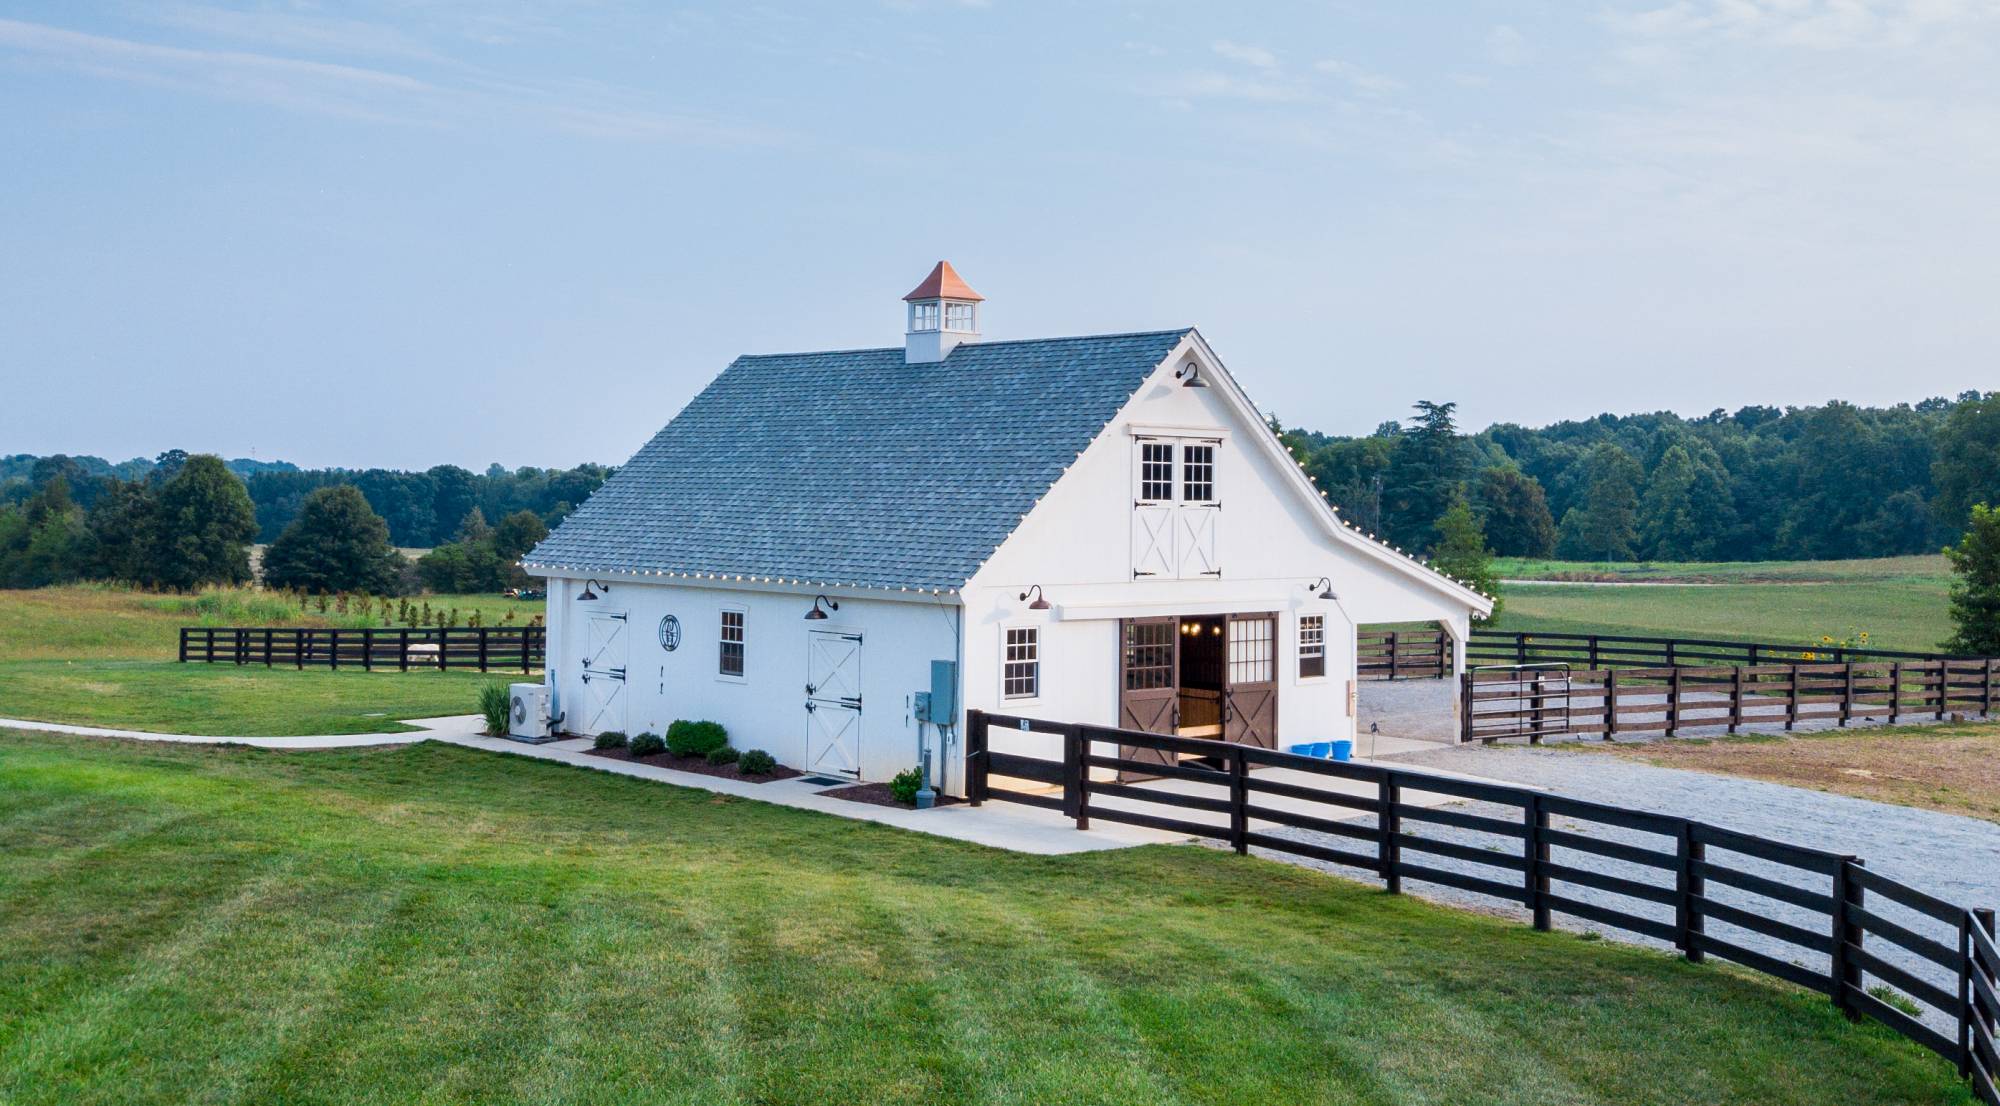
<point>184,644</point>
<point>1943,686</point>
<point>1673,696</point>
<point>1593,653</point>
<point>1536,852</point>
<point>1390,824</point>
<point>1753,654</point>
<point>333,647</point>
<point>1847,692</point>
<point>300,638</point>
<point>1792,699</point>
<point>1465,704</point>
<point>267,647</point>
<point>1689,886</point>
<point>1671,662</point>
<point>1895,691</point>
<point>1395,654</point>
<point>1610,704</point>
<point>1239,801</point>
<point>1520,648</point>
<point>1965,1009</point>
<point>1986,691</point>
<point>482,648</point>
<point>368,649</point>
<point>1735,698</point>
<point>444,648</point>
<point>240,650</point>
<point>1082,780</point>
<point>1847,896</point>
<point>975,757</point>
<point>1072,768</point>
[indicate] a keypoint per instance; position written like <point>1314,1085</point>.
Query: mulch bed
<point>878,794</point>
<point>697,765</point>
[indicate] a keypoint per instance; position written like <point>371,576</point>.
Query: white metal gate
<point>833,702</point>
<point>603,673</point>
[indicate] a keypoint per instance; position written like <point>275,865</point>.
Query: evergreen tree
<point>42,542</point>
<point>205,524</point>
<point>1462,553</point>
<point>1426,472</point>
<point>123,524</point>
<point>1975,597</point>
<point>1967,468</point>
<point>337,544</point>
<point>473,528</point>
<point>517,534</point>
<point>1604,526</point>
<point>1515,513</point>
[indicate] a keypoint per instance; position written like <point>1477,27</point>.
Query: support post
<point>1848,895</point>
<point>1943,686</point>
<point>1895,691</point>
<point>184,644</point>
<point>482,648</point>
<point>1735,698</point>
<point>1535,851</point>
<point>368,649</point>
<point>1846,692</point>
<point>975,757</point>
<point>1689,886</point>
<point>1390,824</point>
<point>333,648</point>
<point>267,647</point>
<point>1610,704</point>
<point>1792,700</point>
<point>1072,771</point>
<point>1239,801</point>
<point>1673,695</point>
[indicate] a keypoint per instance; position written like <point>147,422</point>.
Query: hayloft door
<point>1250,688</point>
<point>1148,682</point>
<point>603,673</point>
<point>833,702</point>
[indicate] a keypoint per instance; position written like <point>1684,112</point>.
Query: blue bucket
<point>1343,750</point>
<point>1302,750</point>
<point>1322,748</point>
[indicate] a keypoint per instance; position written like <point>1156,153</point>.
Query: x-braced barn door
<point>1149,682</point>
<point>833,702</point>
<point>604,672</point>
<point>1250,689</point>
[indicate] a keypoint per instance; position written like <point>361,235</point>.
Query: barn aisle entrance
<point>1206,676</point>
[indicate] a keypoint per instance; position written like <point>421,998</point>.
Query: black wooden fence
<point>1402,654</point>
<point>1827,923</point>
<point>1548,699</point>
<point>480,648</point>
<point>1614,651</point>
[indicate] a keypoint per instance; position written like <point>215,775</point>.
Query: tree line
<point>421,509</point>
<point>1802,483</point>
<point>189,522</point>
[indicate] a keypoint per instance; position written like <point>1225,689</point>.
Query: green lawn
<point>433,924</point>
<point>1900,602</point>
<point>104,656</point>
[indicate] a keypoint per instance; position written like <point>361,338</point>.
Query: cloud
<point>1808,24</point>
<point>1508,46</point>
<point>1357,78</point>
<point>1255,56</point>
<point>367,93</point>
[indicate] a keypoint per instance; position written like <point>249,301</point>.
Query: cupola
<point>944,311</point>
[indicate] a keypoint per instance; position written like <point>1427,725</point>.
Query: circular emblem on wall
<point>670,633</point>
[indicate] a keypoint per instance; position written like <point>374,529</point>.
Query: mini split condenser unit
<point>528,710</point>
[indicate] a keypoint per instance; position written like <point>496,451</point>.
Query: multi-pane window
<point>1156,471</point>
<point>1312,646</point>
<point>1021,667</point>
<point>1198,473</point>
<point>923,316</point>
<point>958,316</point>
<point>730,656</point>
<point>1149,655</point>
<point>1250,650</point>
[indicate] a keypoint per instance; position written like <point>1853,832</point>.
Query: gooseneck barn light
<point>589,595</point>
<point>817,615</point>
<point>1325,587</point>
<point>1041,602</point>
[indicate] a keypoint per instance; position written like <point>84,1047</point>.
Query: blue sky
<point>437,232</point>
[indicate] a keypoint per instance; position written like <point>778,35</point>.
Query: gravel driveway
<point>1953,857</point>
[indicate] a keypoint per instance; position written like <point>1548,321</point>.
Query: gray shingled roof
<point>853,467</point>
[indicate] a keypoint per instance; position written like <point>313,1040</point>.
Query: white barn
<point>1096,529</point>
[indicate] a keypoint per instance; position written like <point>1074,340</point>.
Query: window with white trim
<point>729,654</point>
<point>923,316</point>
<point>1021,663</point>
<point>1156,472</point>
<point>958,316</point>
<point>1198,472</point>
<point>1312,646</point>
<point>1250,650</point>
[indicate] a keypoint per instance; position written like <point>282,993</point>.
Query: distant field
<point>1900,602</point>
<point>104,656</point>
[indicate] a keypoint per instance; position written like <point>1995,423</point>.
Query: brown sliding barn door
<point>1148,681</point>
<point>1250,688</point>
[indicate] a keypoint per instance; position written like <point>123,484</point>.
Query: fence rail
<point>1615,651</point>
<point>1402,654</point>
<point>1550,699</point>
<point>480,648</point>
<point>1818,919</point>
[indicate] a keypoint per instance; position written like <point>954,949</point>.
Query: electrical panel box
<point>940,706</point>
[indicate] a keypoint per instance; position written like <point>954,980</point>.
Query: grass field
<point>104,656</point>
<point>1951,768</point>
<point>434,924</point>
<point>1900,602</point>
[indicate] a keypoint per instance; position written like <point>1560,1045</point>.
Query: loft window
<point>1312,646</point>
<point>730,656</point>
<point>923,316</point>
<point>1021,671</point>
<point>1156,472</point>
<point>1198,473</point>
<point>958,316</point>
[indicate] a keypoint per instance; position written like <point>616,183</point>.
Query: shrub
<point>646,745</point>
<point>494,705</point>
<point>610,739</point>
<point>904,786</point>
<point>724,755</point>
<point>696,739</point>
<point>756,762</point>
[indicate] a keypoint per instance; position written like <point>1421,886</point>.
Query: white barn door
<point>833,702</point>
<point>603,673</point>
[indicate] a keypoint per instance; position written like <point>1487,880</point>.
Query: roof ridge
<point>971,345</point>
